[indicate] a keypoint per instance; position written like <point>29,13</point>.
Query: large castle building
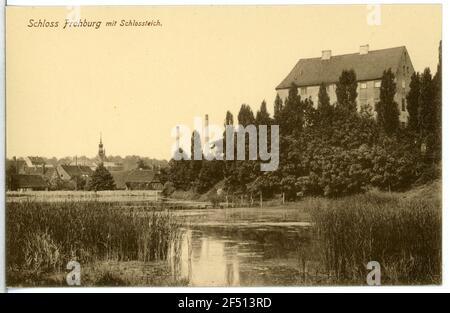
<point>309,74</point>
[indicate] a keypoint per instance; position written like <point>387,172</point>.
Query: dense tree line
<point>333,150</point>
<point>424,104</point>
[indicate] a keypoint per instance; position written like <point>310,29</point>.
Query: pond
<point>243,247</point>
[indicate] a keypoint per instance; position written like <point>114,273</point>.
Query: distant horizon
<point>84,156</point>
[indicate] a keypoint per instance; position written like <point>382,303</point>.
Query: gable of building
<point>34,161</point>
<point>73,171</point>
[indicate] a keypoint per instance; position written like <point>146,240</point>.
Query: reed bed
<point>43,237</point>
<point>404,236</point>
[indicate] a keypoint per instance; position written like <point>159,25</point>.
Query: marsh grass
<point>404,236</point>
<point>43,237</point>
<point>119,245</point>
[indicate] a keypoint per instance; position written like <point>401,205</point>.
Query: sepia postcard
<point>223,146</point>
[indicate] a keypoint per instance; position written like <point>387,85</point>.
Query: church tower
<point>101,151</point>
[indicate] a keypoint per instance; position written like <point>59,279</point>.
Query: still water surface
<point>242,247</point>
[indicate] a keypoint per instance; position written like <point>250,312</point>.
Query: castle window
<point>363,85</point>
<point>378,84</point>
<point>403,105</point>
<point>403,84</point>
<point>304,91</point>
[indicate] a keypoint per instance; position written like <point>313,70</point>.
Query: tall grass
<point>404,236</point>
<point>43,237</point>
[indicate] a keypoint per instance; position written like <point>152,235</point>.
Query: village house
<point>71,177</point>
<point>73,172</point>
<point>309,74</point>
<point>19,164</point>
<point>30,183</point>
<point>35,162</point>
<point>137,179</point>
<point>31,166</point>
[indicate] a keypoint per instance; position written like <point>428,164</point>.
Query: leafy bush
<point>346,154</point>
<point>168,189</point>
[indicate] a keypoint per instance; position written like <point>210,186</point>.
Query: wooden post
<point>260,200</point>
<point>283,198</point>
<point>226,199</point>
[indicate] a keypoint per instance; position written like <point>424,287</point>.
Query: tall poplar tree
<point>277,109</point>
<point>412,99</point>
<point>323,105</point>
<point>346,90</point>
<point>427,110</point>
<point>387,108</point>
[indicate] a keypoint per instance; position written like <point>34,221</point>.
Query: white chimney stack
<point>326,54</point>
<point>364,50</point>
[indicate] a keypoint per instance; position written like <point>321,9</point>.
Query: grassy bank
<point>403,234</point>
<point>41,238</point>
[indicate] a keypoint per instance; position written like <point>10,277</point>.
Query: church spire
<point>101,151</point>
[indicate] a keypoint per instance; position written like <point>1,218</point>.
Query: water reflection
<point>235,254</point>
<point>205,261</point>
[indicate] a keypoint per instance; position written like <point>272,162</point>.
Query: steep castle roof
<point>370,66</point>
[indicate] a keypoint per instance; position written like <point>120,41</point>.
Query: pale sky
<point>135,84</point>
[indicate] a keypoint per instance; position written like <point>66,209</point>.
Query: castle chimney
<point>326,54</point>
<point>364,50</point>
